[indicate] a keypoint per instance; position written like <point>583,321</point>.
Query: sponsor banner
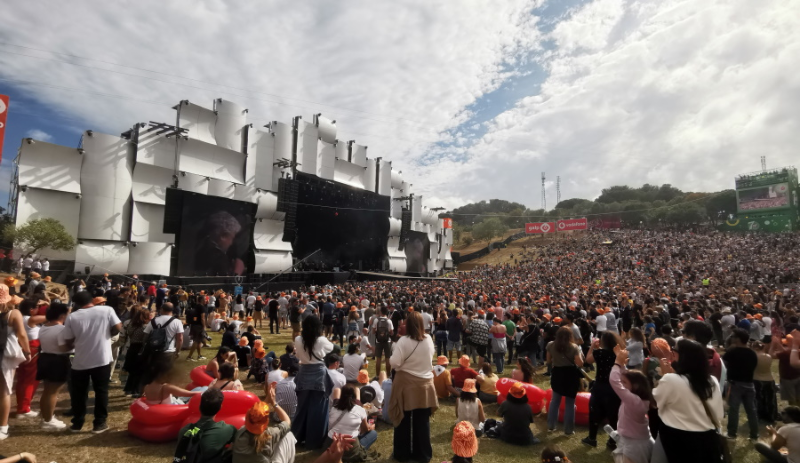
<point>3,114</point>
<point>541,227</point>
<point>447,223</point>
<point>572,224</point>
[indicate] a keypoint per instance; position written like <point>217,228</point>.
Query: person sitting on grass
<point>227,379</point>
<point>517,417</point>
<point>787,436</point>
<point>224,355</point>
<point>442,380</point>
<point>462,372</point>
<point>488,382</point>
<point>159,392</point>
<point>243,353</point>
<point>214,436</point>
<point>350,419</point>
<point>469,407</point>
<point>464,443</point>
<point>524,372</point>
<point>262,440</point>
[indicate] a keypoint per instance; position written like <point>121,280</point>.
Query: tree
<point>488,229</point>
<point>39,234</point>
<point>720,205</point>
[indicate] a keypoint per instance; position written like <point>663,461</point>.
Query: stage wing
<point>221,188</point>
<point>231,120</point>
<point>397,264</point>
<point>385,178</point>
<point>307,138</point>
<point>155,150</point>
<point>150,183</point>
<point>49,167</point>
<point>191,182</point>
<point>268,207</point>
<point>268,235</point>
<point>102,257</point>
<point>104,218</point>
<point>349,174</point>
<point>150,259</point>
<point>342,151</point>
<point>326,155</point>
<point>211,161</point>
<point>260,159</point>
<point>283,135</point>
<point>358,155</point>
<point>272,261</point>
<point>148,224</point>
<point>394,226</point>
<point>199,121</point>
<point>34,203</point>
<point>327,129</point>
<point>107,166</point>
<point>369,176</point>
<point>396,206</point>
<point>397,179</point>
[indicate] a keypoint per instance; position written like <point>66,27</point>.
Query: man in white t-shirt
<point>89,330</point>
<point>332,362</point>
<point>174,328</point>
<point>427,320</point>
<point>251,304</point>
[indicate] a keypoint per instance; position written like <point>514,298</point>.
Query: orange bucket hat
<point>465,443</point>
<point>442,360</point>
<point>257,418</point>
<point>469,386</point>
<point>517,390</point>
<point>464,361</point>
<point>363,376</point>
<point>243,342</point>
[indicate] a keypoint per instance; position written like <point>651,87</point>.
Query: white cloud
<point>37,134</point>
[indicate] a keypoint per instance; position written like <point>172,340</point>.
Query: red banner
<point>447,223</point>
<point>542,227</point>
<point>572,224</point>
<point>3,113</point>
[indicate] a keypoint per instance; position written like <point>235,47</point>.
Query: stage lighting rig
<point>162,128</point>
<point>436,209</point>
<point>284,163</point>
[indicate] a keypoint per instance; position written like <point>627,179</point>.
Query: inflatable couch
<point>535,394</point>
<point>581,407</point>
<point>199,378</point>
<point>162,423</point>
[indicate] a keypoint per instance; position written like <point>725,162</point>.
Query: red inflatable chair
<point>199,378</point>
<point>156,423</point>
<point>581,407</point>
<point>234,407</point>
<point>535,395</point>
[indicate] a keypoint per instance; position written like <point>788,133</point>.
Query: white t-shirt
<point>791,432</point>
<point>275,376</point>
<point>172,329</point>
<point>352,364</point>
<point>427,321</point>
<point>251,301</point>
<point>338,379</point>
<point>414,357</point>
<point>46,266</point>
<point>48,337</point>
<point>322,347</point>
<point>91,330</point>
<point>349,424</point>
<point>680,408</point>
<point>33,332</point>
<point>378,393</point>
<point>601,322</point>
<point>375,325</point>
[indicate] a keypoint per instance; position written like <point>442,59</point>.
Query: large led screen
<point>766,197</point>
<point>216,236</point>
<point>417,249</point>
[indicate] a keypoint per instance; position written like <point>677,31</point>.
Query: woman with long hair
<point>224,354</point>
<point>634,442</point>
<point>565,358</point>
<point>524,372</point>
<point>764,382</point>
<point>413,397</point>
<point>158,391</point>
<point>17,342</point>
<point>313,385</point>
<point>349,418</point>
<point>133,331</point>
<point>228,379</point>
<point>604,403</point>
<point>488,382</point>
<point>635,348</point>
<point>690,406</point>
<point>263,441</point>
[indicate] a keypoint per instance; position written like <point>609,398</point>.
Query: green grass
<point>117,446</point>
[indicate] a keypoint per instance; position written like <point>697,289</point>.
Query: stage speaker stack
<point>405,227</point>
<point>288,194</point>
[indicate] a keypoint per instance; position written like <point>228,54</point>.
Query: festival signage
<point>541,227</point>
<point>572,224</point>
<point>3,114</point>
<point>447,223</point>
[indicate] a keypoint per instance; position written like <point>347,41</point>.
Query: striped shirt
<point>286,397</point>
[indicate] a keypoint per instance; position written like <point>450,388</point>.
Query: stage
<point>378,276</point>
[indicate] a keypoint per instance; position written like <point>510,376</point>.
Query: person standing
<point>45,267</point>
<point>174,335</point>
<point>133,332</point>
<point>26,371</point>
<point>196,318</point>
<point>313,385</point>
<point>54,364</point>
<point>565,358</point>
<point>741,362</point>
<point>17,342</point>
<point>89,330</point>
<point>382,329</point>
<point>413,397</point>
<point>274,322</point>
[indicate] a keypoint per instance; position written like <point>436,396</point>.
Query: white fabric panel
<point>268,206</point>
<point>394,226</point>
<point>211,161</point>
<point>155,150</point>
<point>397,179</point>
<point>150,183</point>
<point>326,154</point>
<point>283,136</point>
<point>431,234</point>
<point>191,182</point>
<point>272,261</point>
<point>34,203</point>
<point>416,209</point>
<point>221,188</point>
<point>396,207</point>
<point>229,130</point>
<point>385,178</point>
<point>342,152</point>
<point>393,247</point>
<point>268,234</point>
<point>430,217</point>
<point>102,257</point>
<point>107,166</point>
<point>397,264</point>
<point>199,121</point>
<point>405,189</point>
<point>148,224</point>
<point>50,167</point>
<point>103,218</point>
<point>149,258</point>
<point>327,129</point>
<point>358,155</point>
<point>307,138</point>
<point>248,191</point>
<point>369,175</point>
<point>349,174</point>
<point>261,151</point>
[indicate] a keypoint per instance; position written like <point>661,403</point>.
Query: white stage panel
<point>272,261</point>
<point>349,174</point>
<point>102,257</point>
<point>307,138</point>
<point>396,207</point>
<point>268,234</point>
<point>397,179</point>
<point>342,151</point>
<point>34,203</point>
<point>261,155</point>
<point>283,137</point>
<point>416,208</point>
<point>394,226</point>
<point>211,161</point>
<point>370,174</point>
<point>192,182</point>
<point>397,264</point>
<point>327,129</point>
<point>358,155</point>
<point>149,258</point>
<point>221,188</point>
<point>326,154</point>
<point>199,121</point>
<point>107,166</point>
<point>229,130</point>
<point>393,247</point>
<point>150,183</point>
<point>103,218</point>
<point>148,224</point>
<point>155,150</point>
<point>268,206</point>
<point>50,167</point>
<point>385,178</point>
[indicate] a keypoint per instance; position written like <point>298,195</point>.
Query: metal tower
<point>544,194</point>
<point>558,190</point>
<point>763,163</point>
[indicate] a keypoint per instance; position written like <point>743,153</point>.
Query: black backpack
<point>158,341</point>
<point>189,450</point>
<point>382,332</point>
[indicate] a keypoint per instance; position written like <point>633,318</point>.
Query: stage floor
<point>377,276</point>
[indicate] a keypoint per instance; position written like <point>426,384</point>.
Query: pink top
<point>633,422</point>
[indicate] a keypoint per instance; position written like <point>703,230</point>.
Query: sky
<point>472,99</point>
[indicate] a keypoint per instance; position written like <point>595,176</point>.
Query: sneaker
<point>612,433</point>
<point>203,358</point>
<point>3,435</point>
<point>29,414</point>
<point>589,442</point>
<point>190,359</point>
<point>100,428</point>
<point>54,425</point>
<point>76,428</point>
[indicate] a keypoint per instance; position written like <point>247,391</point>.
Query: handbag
<point>727,456</point>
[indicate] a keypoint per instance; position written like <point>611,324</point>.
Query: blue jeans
<point>368,439</point>
<point>499,362</point>
<point>742,394</point>
<point>569,413</point>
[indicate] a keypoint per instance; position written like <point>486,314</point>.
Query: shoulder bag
<point>727,456</point>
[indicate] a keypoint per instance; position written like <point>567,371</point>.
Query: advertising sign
<point>572,224</point>
<point>447,223</point>
<point>3,114</point>
<point>541,227</point>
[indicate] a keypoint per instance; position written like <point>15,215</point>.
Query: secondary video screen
<point>418,251</point>
<point>766,197</point>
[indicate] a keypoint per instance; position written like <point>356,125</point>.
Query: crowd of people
<point>668,331</point>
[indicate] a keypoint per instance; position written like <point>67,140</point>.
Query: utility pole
<point>558,190</point>
<point>544,194</point>
<point>763,163</point>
